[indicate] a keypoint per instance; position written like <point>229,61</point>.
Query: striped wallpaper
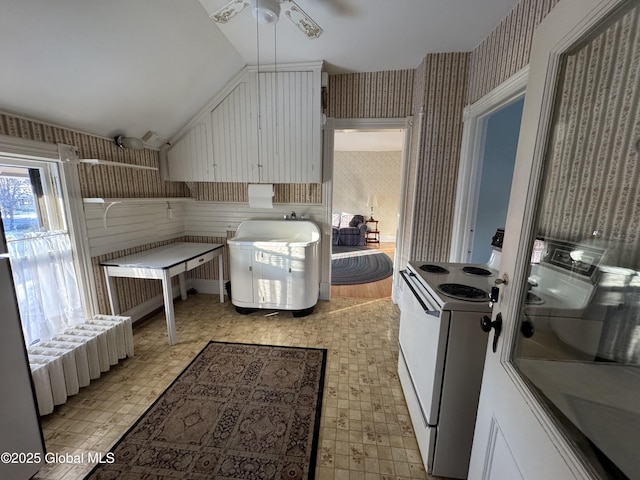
<point>593,162</point>
<point>506,49</point>
<point>441,81</point>
<point>386,94</point>
<point>100,180</point>
<point>237,192</point>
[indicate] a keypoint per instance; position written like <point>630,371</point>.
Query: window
<point>39,246</point>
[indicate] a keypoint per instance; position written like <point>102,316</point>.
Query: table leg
<point>168,307</point>
<point>220,278</point>
<point>183,286</point>
<point>112,292</point>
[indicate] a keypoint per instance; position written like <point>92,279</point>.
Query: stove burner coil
<point>533,299</point>
<point>463,292</point>
<point>429,268</point>
<point>481,272</point>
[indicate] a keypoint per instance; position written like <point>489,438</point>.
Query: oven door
<point>423,336</point>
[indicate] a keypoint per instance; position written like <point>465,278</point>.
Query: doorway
<point>490,137</point>
<point>364,175</point>
<point>501,142</point>
<point>366,182</point>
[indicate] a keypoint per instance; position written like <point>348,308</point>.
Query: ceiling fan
<point>268,11</point>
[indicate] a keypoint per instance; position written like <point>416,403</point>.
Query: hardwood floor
<point>381,289</point>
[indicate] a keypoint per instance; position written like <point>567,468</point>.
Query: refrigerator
<point>22,447</point>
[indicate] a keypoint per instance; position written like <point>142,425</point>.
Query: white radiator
<point>69,361</point>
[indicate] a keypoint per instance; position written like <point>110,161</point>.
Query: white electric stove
<point>442,351</point>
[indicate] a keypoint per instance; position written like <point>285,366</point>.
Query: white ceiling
<point>129,66</point>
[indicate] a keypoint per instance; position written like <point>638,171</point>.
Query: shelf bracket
<point>105,211</point>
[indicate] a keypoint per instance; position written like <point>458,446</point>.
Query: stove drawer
<point>423,339</point>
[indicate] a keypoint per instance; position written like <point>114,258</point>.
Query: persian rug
<point>356,265</point>
<point>238,411</point>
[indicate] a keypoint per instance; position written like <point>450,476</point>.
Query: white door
<point>549,408</point>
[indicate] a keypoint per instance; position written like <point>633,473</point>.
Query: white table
<point>163,263</point>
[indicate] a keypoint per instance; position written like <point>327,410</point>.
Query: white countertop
<point>163,257</point>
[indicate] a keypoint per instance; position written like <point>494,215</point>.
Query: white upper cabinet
<point>235,131</point>
<point>189,158</point>
<point>262,127</point>
<point>289,114</point>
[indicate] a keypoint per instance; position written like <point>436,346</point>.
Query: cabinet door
<point>273,277</point>
<point>190,158</point>
<point>289,127</point>
<point>241,274</point>
<point>234,132</point>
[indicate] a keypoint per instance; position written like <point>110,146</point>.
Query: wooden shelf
<point>137,200</point>
<point>97,161</point>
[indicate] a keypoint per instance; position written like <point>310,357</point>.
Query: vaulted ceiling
<point>130,66</point>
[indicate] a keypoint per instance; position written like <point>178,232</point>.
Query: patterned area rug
<point>356,265</point>
<point>238,411</point>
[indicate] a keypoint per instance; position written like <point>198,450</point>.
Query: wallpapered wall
<point>100,181</point>
<point>356,175</point>
<point>593,170</point>
<point>506,49</point>
<point>441,81</point>
<point>238,192</point>
<point>387,94</point>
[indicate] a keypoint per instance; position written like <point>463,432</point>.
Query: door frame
<point>407,191</point>
<point>557,33</point>
<point>475,118</point>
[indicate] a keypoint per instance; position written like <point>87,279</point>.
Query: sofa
<point>348,229</point>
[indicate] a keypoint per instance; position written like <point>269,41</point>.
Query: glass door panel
<point>579,346</point>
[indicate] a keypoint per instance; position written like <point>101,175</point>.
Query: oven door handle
<point>429,311</point>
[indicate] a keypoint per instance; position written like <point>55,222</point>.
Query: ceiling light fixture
<point>266,11</point>
<point>129,142</point>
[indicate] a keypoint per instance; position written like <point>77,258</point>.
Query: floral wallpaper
<point>357,175</point>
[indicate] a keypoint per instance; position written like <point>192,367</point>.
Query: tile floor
<point>366,433</point>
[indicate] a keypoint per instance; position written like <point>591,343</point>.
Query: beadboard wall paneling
<point>593,173</point>
<point>100,180</point>
<point>356,175</point>
<point>130,225</point>
<point>440,92</point>
<point>310,193</point>
<point>506,49</point>
<point>386,94</point>
<point>215,219</point>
